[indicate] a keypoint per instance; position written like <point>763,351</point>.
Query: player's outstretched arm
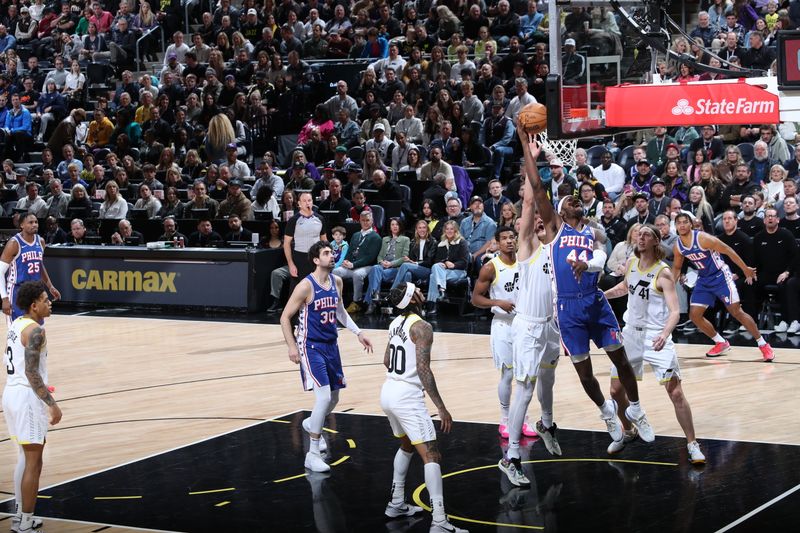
<point>300,296</point>
<point>10,250</point>
<point>531,149</point>
<point>620,289</point>
<point>666,284</point>
<point>33,338</point>
<point>344,318</point>
<point>422,337</point>
<point>709,242</point>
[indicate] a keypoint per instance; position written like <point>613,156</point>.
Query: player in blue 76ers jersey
<point>314,346</point>
<point>582,310</point>
<point>714,282</point>
<point>23,260</point>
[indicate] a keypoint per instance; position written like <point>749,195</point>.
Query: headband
<point>410,288</point>
<point>561,204</point>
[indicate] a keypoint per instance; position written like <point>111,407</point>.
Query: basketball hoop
<point>564,149</point>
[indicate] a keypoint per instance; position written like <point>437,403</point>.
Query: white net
<point>564,149</point>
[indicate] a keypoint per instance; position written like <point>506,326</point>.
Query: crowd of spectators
<point>440,91</point>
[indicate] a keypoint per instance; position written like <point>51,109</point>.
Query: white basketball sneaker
<point>618,445</point>
<point>613,425</point>
<point>696,457</point>
<point>323,446</point>
<point>639,420</point>
<point>15,523</point>
<point>513,469</point>
<point>403,509</point>
<point>445,527</point>
<point>315,463</point>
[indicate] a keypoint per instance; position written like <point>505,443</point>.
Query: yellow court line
<point>351,443</point>
<point>289,478</point>
<point>280,421</point>
<point>330,430</point>
<point>340,461</point>
<point>117,497</point>
<point>211,491</point>
<point>43,497</point>
<point>222,504</point>
<point>417,494</point>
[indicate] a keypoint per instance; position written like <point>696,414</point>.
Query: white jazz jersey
<point>402,351</point>
<point>535,296</point>
<point>14,357</point>
<point>25,413</point>
<point>505,285</point>
<point>646,305</point>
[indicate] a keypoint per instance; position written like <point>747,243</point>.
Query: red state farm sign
<point>690,105</point>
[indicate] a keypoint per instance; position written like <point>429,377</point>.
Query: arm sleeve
<point>3,269</point>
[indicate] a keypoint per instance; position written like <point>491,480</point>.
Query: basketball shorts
<point>320,365</point>
<point>501,339</point>
<point>535,342</point>
<point>720,287</point>
<point>638,344</point>
<point>16,312</point>
<point>404,405</point>
<point>26,415</point>
<point>587,318</point>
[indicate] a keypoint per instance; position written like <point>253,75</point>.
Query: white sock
<point>26,522</point>
<point>607,409</point>
<point>635,407</point>
<point>433,480</point>
<point>544,392</point>
<point>314,448</point>
<point>513,449</point>
<point>18,472</point>
<point>718,338</point>
<point>517,414</point>
<point>761,342</point>
<point>504,392</point>
<point>322,404</point>
<point>401,461</point>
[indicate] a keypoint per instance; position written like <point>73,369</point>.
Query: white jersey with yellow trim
<point>403,351</point>
<point>647,307</point>
<point>14,357</point>
<point>505,285</point>
<point>535,296</point>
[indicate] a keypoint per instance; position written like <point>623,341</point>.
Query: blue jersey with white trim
<point>27,264</point>
<point>318,317</point>
<point>708,263</point>
<point>572,245</point>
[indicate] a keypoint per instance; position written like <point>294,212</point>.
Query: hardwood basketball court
<point>131,388</point>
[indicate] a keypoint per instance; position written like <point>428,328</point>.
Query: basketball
<point>533,118</point>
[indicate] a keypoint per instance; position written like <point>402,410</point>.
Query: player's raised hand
<point>446,419</point>
<point>365,342</point>
<point>294,354</point>
<point>749,275</point>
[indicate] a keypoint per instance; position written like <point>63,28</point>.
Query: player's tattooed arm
<point>422,337</point>
<point>33,353</point>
